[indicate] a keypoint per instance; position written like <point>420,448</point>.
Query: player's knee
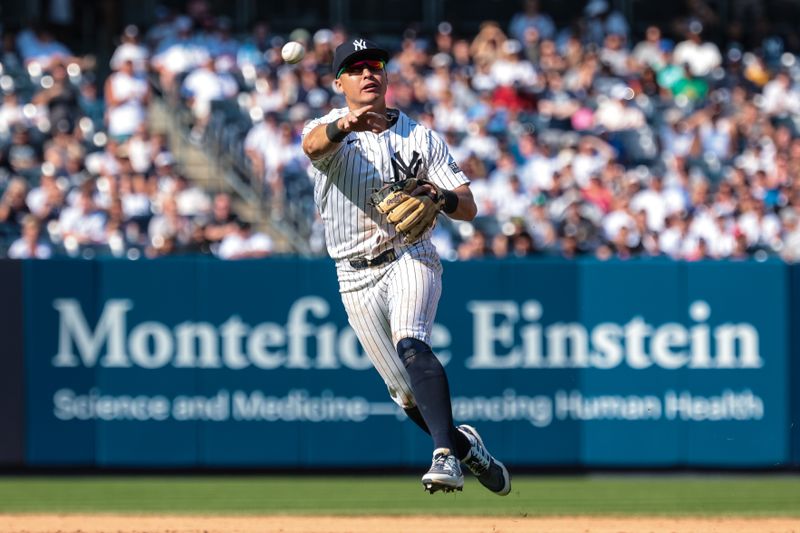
<point>414,352</point>
<point>409,349</point>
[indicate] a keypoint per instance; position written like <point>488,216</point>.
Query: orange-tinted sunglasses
<point>373,65</point>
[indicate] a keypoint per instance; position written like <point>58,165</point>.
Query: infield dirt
<point>387,524</point>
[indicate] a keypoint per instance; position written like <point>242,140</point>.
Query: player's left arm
<point>444,172</point>
<point>466,209</point>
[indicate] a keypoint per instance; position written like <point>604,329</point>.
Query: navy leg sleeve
<point>432,394</point>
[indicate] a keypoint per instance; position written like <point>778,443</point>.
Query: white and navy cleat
<point>490,472</point>
<point>445,473</point>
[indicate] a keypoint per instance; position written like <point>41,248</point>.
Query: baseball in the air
<point>292,52</point>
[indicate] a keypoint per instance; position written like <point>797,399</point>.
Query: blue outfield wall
<point>191,362</point>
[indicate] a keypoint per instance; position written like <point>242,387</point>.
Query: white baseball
<point>292,52</point>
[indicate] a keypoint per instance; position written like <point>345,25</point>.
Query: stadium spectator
<point>531,18</point>
<point>46,201</point>
<point>522,243</point>
<point>501,245</point>
<point>244,243</point>
<point>779,98</point>
<point>40,50</point>
<point>486,46</point>
<point>30,244</point>
<point>11,115</point>
<point>61,98</point>
<point>82,223</point>
<point>126,97</point>
<point>208,82</point>
<point>512,199</point>
<point>275,157</point>
<point>13,208</point>
<point>221,222</point>
<point>130,49</point>
<point>191,200</point>
<point>701,56</point>
<point>577,229</point>
<point>602,21</point>
<point>22,156</point>
<point>169,224</point>
<point>135,195</point>
<point>474,247</point>
<point>162,246</point>
<point>177,54</point>
<point>648,53</point>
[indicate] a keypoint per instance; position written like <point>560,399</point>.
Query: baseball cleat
<point>445,473</point>
<point>490,472</point>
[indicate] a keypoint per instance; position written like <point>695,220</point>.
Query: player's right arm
<point>326,138</point>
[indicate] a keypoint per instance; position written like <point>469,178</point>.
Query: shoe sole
<point>433,487</point>
<point>436,483</point>
<point>506,475</point>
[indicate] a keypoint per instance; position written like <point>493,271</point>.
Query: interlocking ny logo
<point>408,171</point>
<point>359,44</point>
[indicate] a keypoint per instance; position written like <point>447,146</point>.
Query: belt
<point>362,262</point>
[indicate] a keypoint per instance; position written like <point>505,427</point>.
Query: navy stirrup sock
<point>459,440</point>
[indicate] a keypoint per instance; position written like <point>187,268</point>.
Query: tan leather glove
<point>411,214</point>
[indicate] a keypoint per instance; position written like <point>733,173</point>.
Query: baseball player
<point>389,272</point>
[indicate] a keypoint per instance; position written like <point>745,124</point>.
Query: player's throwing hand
<point>363,119</point>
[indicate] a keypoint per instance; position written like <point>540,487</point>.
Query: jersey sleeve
<point>324,162</point>
<point>442,168</point>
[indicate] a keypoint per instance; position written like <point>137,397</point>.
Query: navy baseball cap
<point>354,49</point>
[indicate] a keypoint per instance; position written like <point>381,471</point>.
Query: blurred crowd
<point>82,174</point>
<point>587,140</point>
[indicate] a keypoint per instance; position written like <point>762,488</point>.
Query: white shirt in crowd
<point>125,118</point>
<point>511,202</point>
<point>136,53</point>
<point>513,73</point>
<point>759,230</point>
<point>179,57</point>
<point>135,204</point>
<point>192,202</point>
<point>482,145</point>
<point>701,57</point>
<point>21,249</point>
<point>537,173</point>
<point>206,85</point>
<point>654,205</point>
<point>89,226</point>
<point>779,98</point>
<point>236,245</point>
<point>615,221</point>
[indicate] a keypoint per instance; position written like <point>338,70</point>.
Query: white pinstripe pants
<point>401,302</point>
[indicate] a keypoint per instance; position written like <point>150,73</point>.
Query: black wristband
<point>334,134</point>
<point>450,202</point>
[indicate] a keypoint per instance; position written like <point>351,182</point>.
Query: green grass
<point>594,495</point>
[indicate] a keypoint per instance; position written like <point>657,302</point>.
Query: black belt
<point>362,262</point>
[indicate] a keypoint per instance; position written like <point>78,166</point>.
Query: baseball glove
<point>412,215</point>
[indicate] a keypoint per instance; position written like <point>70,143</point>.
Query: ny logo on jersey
<point>359,44</point>
<point>409,170</point>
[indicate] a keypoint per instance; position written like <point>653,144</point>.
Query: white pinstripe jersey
<point>365,161</point>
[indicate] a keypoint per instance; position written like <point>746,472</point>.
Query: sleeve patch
<point>454,167</point>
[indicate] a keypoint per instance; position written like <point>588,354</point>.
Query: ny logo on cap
<point>359,44</point>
